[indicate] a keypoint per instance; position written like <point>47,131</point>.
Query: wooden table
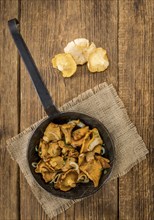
<point>126,29</point>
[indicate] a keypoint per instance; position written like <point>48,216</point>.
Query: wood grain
<point>126,29</point>
<point>9,185</point>
<point>136,81</point>
<point>51,25</point>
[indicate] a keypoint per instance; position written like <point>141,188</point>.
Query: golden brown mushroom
<point>43,149</point>
<point>82,178</point>
<point>48,176</point>
<point>97,149</point>
<point>42,167</point>
<point>93,170</point>
<point>91,142</point>
<point>73,153</point>
<point>67,180</point>
<point>52,133</point>
<point>90,156</point>
<point>104,162</point>
<point>67,129</point>
<point>85,143</point>
<point>54,150</point>
<point>68,165</point>
<point>79,133</point>
<point>65,147</point>
<point>55,162</point>
<point>48,173</point>
<point>81,158</point>
<point>77,143</point>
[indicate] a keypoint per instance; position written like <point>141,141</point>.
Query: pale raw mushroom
<point>80,50</point>
<point>89,50</point>
<point>98,60</point>
<point>65,63</point>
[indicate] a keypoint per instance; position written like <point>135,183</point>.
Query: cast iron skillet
<point>82,190</point>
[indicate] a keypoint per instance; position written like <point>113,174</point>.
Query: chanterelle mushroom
<point>47,172</point>
<point>42,167</point>
<point>83,178</point>
<point>104,162</point>
<point>79,123</point>
<point>43,149</point>
<point>55,162</point>
<point>79,133</point>
<point>65,63</point>
<point>77,143</point>
<point>68,165</point>
<point>52,133</point>
<point>90,142</point>
<point>98,149</point>
<point>67,180</point>
<point>89,50</point>
<point>67,129</point>
<point>90,156</point>
<point>93,170</point>
<point>97,60</point>
<point>48,176</point>
<point>66,148</point>
<point>54,150</point>
<point>79,49</point>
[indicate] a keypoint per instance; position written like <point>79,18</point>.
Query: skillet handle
<point>42,91</point>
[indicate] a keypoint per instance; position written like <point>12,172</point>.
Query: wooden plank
<point>98,20</point>
<point>9,184</point>
<point>136,82</point>
<point>47,26</point>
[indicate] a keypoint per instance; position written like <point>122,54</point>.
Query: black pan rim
<point>51,118</point>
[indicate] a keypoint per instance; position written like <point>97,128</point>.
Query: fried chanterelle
<point>71,153</point>
<point>79,52</point>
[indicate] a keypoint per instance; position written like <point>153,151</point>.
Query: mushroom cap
<point>83,178</point>
<point>92,139</point>
<point>79,133</point>
<point>76,49</point>
<point>54,150</point>
<point>97,149</point>
<point>52,133</point>
<point>65,63</point>
<point>67,129</point>
<point>98,60</point>
<point>104,162</point>
<point>56,162</point>
<point>93,170</point>
<point>67,180</point>
<point>43,149</point>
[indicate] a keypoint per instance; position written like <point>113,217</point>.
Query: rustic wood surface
<point>126,29</point>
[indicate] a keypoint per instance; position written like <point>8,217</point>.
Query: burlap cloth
<point>104,104</point>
